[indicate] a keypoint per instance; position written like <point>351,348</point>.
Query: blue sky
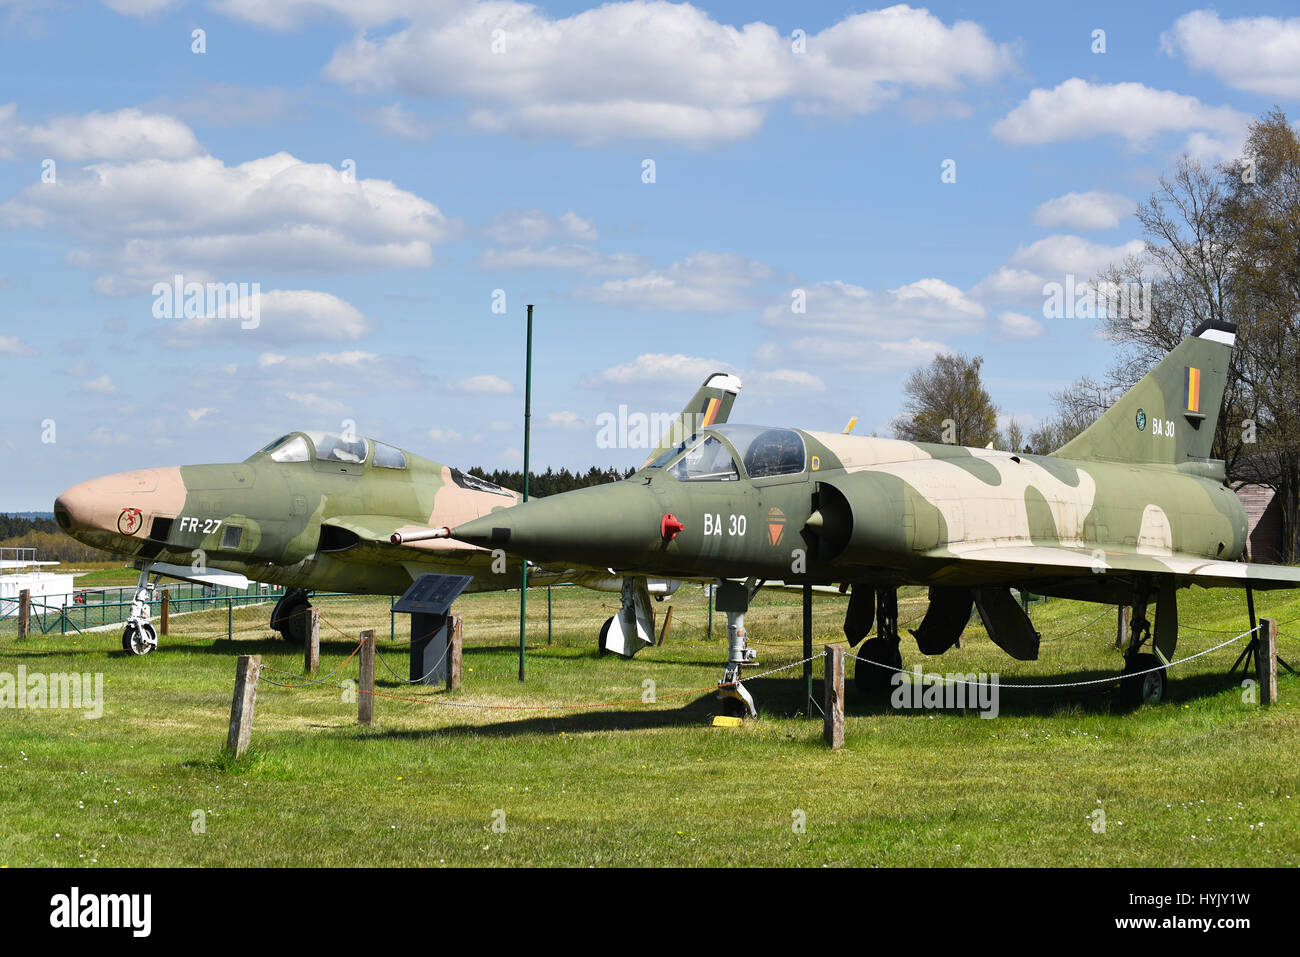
<point>520,169</point>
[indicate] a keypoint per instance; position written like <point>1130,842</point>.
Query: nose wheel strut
<point>138,635</point>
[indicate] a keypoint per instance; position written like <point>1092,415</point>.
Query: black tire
<point>139,639</point>
<point>873,682</point>
<point>734,708</point>
<point>296,624</point>
<point>601,650</point>
<point>1137,688</point>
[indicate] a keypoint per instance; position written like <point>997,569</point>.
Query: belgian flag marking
<point>1193,392</point>
<point>711,412</point>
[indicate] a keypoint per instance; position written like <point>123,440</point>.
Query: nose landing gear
<point>139,636</point>
<point>733,598</point>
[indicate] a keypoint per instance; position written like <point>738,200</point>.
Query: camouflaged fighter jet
<point>1127,513</point>
<point>321,511</point>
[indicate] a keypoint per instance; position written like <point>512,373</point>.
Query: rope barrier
<point>1070,684</point>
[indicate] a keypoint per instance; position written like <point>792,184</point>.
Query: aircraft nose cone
<point>119,503</point>
<point>74,509</point>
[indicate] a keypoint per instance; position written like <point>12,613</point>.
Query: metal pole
<point>807,649</point>
<point>548,614</point>
<point>710,611</point>
<point>528,414</point>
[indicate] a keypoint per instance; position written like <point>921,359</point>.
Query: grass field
<point>1204,779</point>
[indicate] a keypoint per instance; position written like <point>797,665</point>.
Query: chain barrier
<point>1070,684</point>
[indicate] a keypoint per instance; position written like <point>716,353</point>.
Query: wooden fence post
<point>453,654</point>
<point>247,670</point>
<point>668,620</point>
<point>833,703</point>
<point>311,648</point>
<point>165,611</point>
<point>1266,661</point>
<point>1123,626</point>
<point>24,612</point>
<point>366,682</point>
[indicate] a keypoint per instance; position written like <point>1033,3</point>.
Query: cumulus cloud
<point>443,436</point>
<point>128,134</point>
<point>529,226</point>
<point>1259,54</point>
<point>1023,275</point>
<point>658,367</point>
<point>927,305</point>
<point>1077,109</point>
<point>319,404</point>
<point>103,385</point>
<point>1015,325</point>
<point>1090,210</point>
<point>701,282</point>
<point>576,256</point>
<point>398,121</point>
<point>486,384</point>
<point>146,221</point>
<point>13,346</point>
<point>648,69</point>
<point>285,317</point>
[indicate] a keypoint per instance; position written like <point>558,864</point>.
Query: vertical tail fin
<point>1171,415</point>
<point>709,406</point>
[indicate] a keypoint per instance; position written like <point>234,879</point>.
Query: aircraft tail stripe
<point>1193,389</point>
<point>710,412</point>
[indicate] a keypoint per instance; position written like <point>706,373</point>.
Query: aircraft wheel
<point>139,638</point>
<point>601,650</point>
<point>872,681</point>
<point>295,625</point>
<point>1140,689</point>
<point>734,708</point>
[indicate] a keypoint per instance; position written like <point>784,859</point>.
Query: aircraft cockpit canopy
<point>765,453</point>
<point>333,447</point>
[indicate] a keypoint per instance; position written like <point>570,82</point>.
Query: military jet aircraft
<point>1127,513</point>
<point>323,511</point>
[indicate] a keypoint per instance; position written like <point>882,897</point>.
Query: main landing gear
<point>290,616</point>
<point>879,658</point>
<point>139,636</point>
<point>733,598</point>
<point>1144,680</point>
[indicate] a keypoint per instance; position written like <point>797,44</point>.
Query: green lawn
<point>1204,779</point>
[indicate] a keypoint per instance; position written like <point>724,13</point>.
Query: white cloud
<point>400,122</point>
<point>565,420</point>
<point>927,305</point>
<point>575,256</point>
<point>196,414</point>
<point>521,227</point>
<point>659,367</point>
<point>102,385</point>
<point>486,384</point>
<point>443,436</point>
<point>13,346</point>
<point>318,404</point>
<point>286,316</point>
<point>784,380</point>
<point>1015,325</point>
<point>1259,54</point>
<point>1076,110</point>
<point>1050,259</point>
<point>642,69</point>
<point>1090,210</point>
<point>701,282</point>
<point>147,221</point>
<point>288,14</point>
<point>128,134</point>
